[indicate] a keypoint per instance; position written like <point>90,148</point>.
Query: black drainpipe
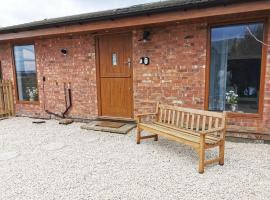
<point>63,115</point>
<point>69,99</point>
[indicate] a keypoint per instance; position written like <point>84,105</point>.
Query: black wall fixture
<point>64,51</point>
<point>145,36</point>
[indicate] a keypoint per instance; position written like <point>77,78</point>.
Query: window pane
<point>236,66</point>
<point>26,73</point>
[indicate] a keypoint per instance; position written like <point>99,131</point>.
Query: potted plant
<point>32,93</point>
<point>232,99</point>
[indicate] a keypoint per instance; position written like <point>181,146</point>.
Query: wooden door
<point>115,75</point>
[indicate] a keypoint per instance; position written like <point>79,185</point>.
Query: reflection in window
<point>236,66</point>
<point>26,73</point>
<point>114,59</point>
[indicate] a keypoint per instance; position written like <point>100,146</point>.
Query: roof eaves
<point>142,9</point>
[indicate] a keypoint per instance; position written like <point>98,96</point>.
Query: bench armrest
<point>212,131</point>
<point>139,116</point>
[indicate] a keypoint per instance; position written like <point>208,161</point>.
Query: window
<point>236,58</point>
<point>26,75</point>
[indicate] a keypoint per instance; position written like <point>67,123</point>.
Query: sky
<point>14,12</point>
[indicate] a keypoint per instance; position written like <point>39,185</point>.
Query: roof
<point>142,9</point>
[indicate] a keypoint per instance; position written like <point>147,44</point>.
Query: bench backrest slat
<point>160,112</point>
<point>186,122</point>
<point>198,122</point>
<point>169,116</point>
<point>182,119</point>
<point>192,119</point>
<point>164,116</point>
<point>192,122</point>
<point>203,123</point>
<point>173,117</point>
<point>210,124</point>
<point>216,123</point>
<point>178,118</point>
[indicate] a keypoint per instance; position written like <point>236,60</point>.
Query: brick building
<point>117,63</point>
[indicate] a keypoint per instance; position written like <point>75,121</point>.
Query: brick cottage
<point>118,63</point>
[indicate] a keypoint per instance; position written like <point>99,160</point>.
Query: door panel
<point>115,71</point>
<point>114,103</point>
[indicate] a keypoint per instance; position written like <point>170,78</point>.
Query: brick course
<point>176,74</point>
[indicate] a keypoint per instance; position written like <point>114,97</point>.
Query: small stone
<point>4,156</point>
<point>54,146</point>
<point>66,121</point>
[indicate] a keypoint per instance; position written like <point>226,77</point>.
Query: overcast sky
<point>21,11</point>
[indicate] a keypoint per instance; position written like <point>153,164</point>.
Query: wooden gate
<point>6,99</point>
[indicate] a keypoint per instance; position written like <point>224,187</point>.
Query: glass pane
<point>26,73</point>
<point>235,66</point>
<point>114,59</point>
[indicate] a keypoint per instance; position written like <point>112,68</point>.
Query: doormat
<point>109,126</point>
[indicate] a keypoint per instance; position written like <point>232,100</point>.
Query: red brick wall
<point>177,66</point>
<point>77,68</point>
<point>6,61</point>
<point>176,74</point>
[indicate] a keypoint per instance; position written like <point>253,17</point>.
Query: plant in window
<point>232,99</point>
<point>32,93</point>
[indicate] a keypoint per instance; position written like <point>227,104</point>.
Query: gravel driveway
<point>96,165</point>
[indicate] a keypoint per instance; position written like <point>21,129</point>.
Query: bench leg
<point>156,137</point>
<point>138,135</point>
<point>221,152</point>
<point>202,154</point>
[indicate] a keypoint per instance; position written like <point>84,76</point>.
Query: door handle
<point>128,62</point>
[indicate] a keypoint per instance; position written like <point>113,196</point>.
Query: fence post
<point>11,101</point>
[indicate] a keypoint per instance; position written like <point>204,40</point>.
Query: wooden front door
<point>115,75</point>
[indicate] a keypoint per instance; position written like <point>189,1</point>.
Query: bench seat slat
<point>209,136</point>
<point>180,134</point>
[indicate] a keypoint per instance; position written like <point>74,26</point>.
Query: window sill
<point>243,115</point>
<point>28,102</point>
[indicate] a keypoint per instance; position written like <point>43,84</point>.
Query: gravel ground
<point>96,165</point>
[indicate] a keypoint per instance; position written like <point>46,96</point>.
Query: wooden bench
<point>198,128</point>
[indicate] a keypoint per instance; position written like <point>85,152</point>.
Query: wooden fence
<point>6,99</point>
